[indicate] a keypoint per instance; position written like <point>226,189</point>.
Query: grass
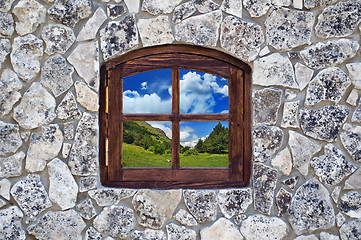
<point>135,156</point>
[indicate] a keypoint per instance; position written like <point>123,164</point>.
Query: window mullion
<point>175,122</point>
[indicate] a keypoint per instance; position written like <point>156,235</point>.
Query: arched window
<point>117,113</point>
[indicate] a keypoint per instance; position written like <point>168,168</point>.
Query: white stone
<point>351,230</point>
<point>234,202</point>
<point>68,108</point>
<point>233,7</point>
<point>5,189</point>
<point>5,46</point>
<point>257,8</point>
<point>2,203</point>
<point>66,150</point>
<point>185,218</point>
<point>221,229</point>
<point>108,197</point>
<point>298,4</point>
<point>148,234</point>
<point>7,25</point>
<point>266,141</point>
<point>340,219</point>
<point>63,189</point>
<point>114,11</point>
<point>283,161</point>
<point>175,232</point>
<point>92,26</point>
<point>274,69</point>
<point>10,139</point>
<point>336,193</point>
<point>85,59</point>
<point>264,51</point>
<point>58,38</point>
<point>284,3</point>
<point>155,31</point>
<point>132,5</point>
<point>266,103</point>
<point>350,204</point>
<point>25,55</point>
<point>68,130</point>
<point>283,201</point>
<point>354,70</point>
<point>290,115</point>
<point>10,224</point>
<point>200,30</point>
<point>9,84</point>
<point>92,234</point>
<point>351,140</point>
<point>86,209</point>
<point>302,149</point>
<point>353,97</point>
<point>44,145</point>
<point>201,204</point>
<point>155,208</point>
<point>356,116</point>
<point>30,14</point>
<point>303,75</point>
<point>69,12</point>
<point>205,6</point>
<point>156,7</point>
<point>328,236</point>
<point>183,11</point>
<point>314,3</point>
<point>86,97</point>
<point>307,237</point>
<point>87,183</point>
<point>12,166</point>
<point>257,227</point>
<point>354,181</point>
<point>5,5</point>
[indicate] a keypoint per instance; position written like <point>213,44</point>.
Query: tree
<point>217,141</point>
<point>200,146</point>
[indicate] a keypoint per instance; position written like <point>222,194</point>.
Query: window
<point>172,60</point>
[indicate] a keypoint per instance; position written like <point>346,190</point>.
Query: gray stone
<point>92,234</point>
<point>335,193</point>
<point>350,204</point>
<point>10,139</point>
<point>56,75</point>
<point>257,227</point>
<point>340,219</point>
<point>354,70</point>
<point>239,219</point>
<point>356,116</point>
<point>44,145</point>
<point>283,201</point>
<point>67,108</point>
<point>6,25</point>
<point>200,30</point>
<point>175,232</point>
<point>354,181</point>
<point>132,5</point>
<point>205,6</point>
<point>302,149</point>
<point>283,161</point>
<point>86,97</point>
<point>63,190</point>
<point>69,12</point>
<point>183,11</point>
<point>25,55</point>
<point>332,167</point>
<point>155,31</point>
<point>290,115</point>
<point>201,204</point>
<point>291,182</point>
<point>329,54</point>
<point>65,150</point>
<point>5,46</point>
<point>83,159</point>
<point>148,234</point>
<point>12,166</point>
<point>85,59</point>
<point>5,5</point>
<point>240,38</point>
<point>86,209</point>
<point>58,38</point>
<point>62,225</point>
<point>31,196</point>
<point>266,103</point>
<point>68,130</point>
<point>314,3</point>
<point>328,236</point>
<point>30,15</point>
<point>156,7</point>
<point>92,26</point>
<point>351,230</point>
<point>221,229</point>
<point>287,29</point>
<point>303,75</point>
<point>185,218</point>
<point>116,221</point>
<point>353,97</point>
<point>264,184</point>
<point>87,183</point>
<point>274,69</point>
<point>323,123</point>
<point>108,197</point>
<point>234,201</point>
<point>10,224</point>
<point>311,208</point>
<point>115,10</point>
<point>118,37</point>
<point>155,208</point>
<point>339,20</point>
<point>266,141</point>
<point>257,8</point>
<point>5,189</point>
<point>350,137</point>
<point>329,84</point>
<point>233,7</point>
<point>9,84</point>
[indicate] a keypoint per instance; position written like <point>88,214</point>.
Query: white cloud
<point>144,85</point>
<point>187,137</point>
<point>133,102</point>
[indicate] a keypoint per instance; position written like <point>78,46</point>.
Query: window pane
<point>204,144</point>
<point>148,92</point>
<point>147,144</point>
<point>202,92</point>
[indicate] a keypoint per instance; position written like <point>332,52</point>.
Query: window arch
<point>175,57</point>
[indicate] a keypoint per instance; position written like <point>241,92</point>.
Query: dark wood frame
<point>175,57</point>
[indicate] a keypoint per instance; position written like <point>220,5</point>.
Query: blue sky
<point>150,92</point>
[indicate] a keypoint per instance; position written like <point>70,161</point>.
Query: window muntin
<point>176,57</point>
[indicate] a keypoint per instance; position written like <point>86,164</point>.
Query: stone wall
<point>306,111</point>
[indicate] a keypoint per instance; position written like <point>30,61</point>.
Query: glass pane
<point>147,144</point>
<point>204,144</point>
<point>148,92</point>
<point>202,92</point>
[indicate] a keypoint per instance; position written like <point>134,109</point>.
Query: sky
<point>150,92</point>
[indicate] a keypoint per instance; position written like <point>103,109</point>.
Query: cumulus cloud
<point>187,137</point>
<point>133,102</point>
<point>143,85</point>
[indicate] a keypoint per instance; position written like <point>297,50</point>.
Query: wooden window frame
<point>175,57</point>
